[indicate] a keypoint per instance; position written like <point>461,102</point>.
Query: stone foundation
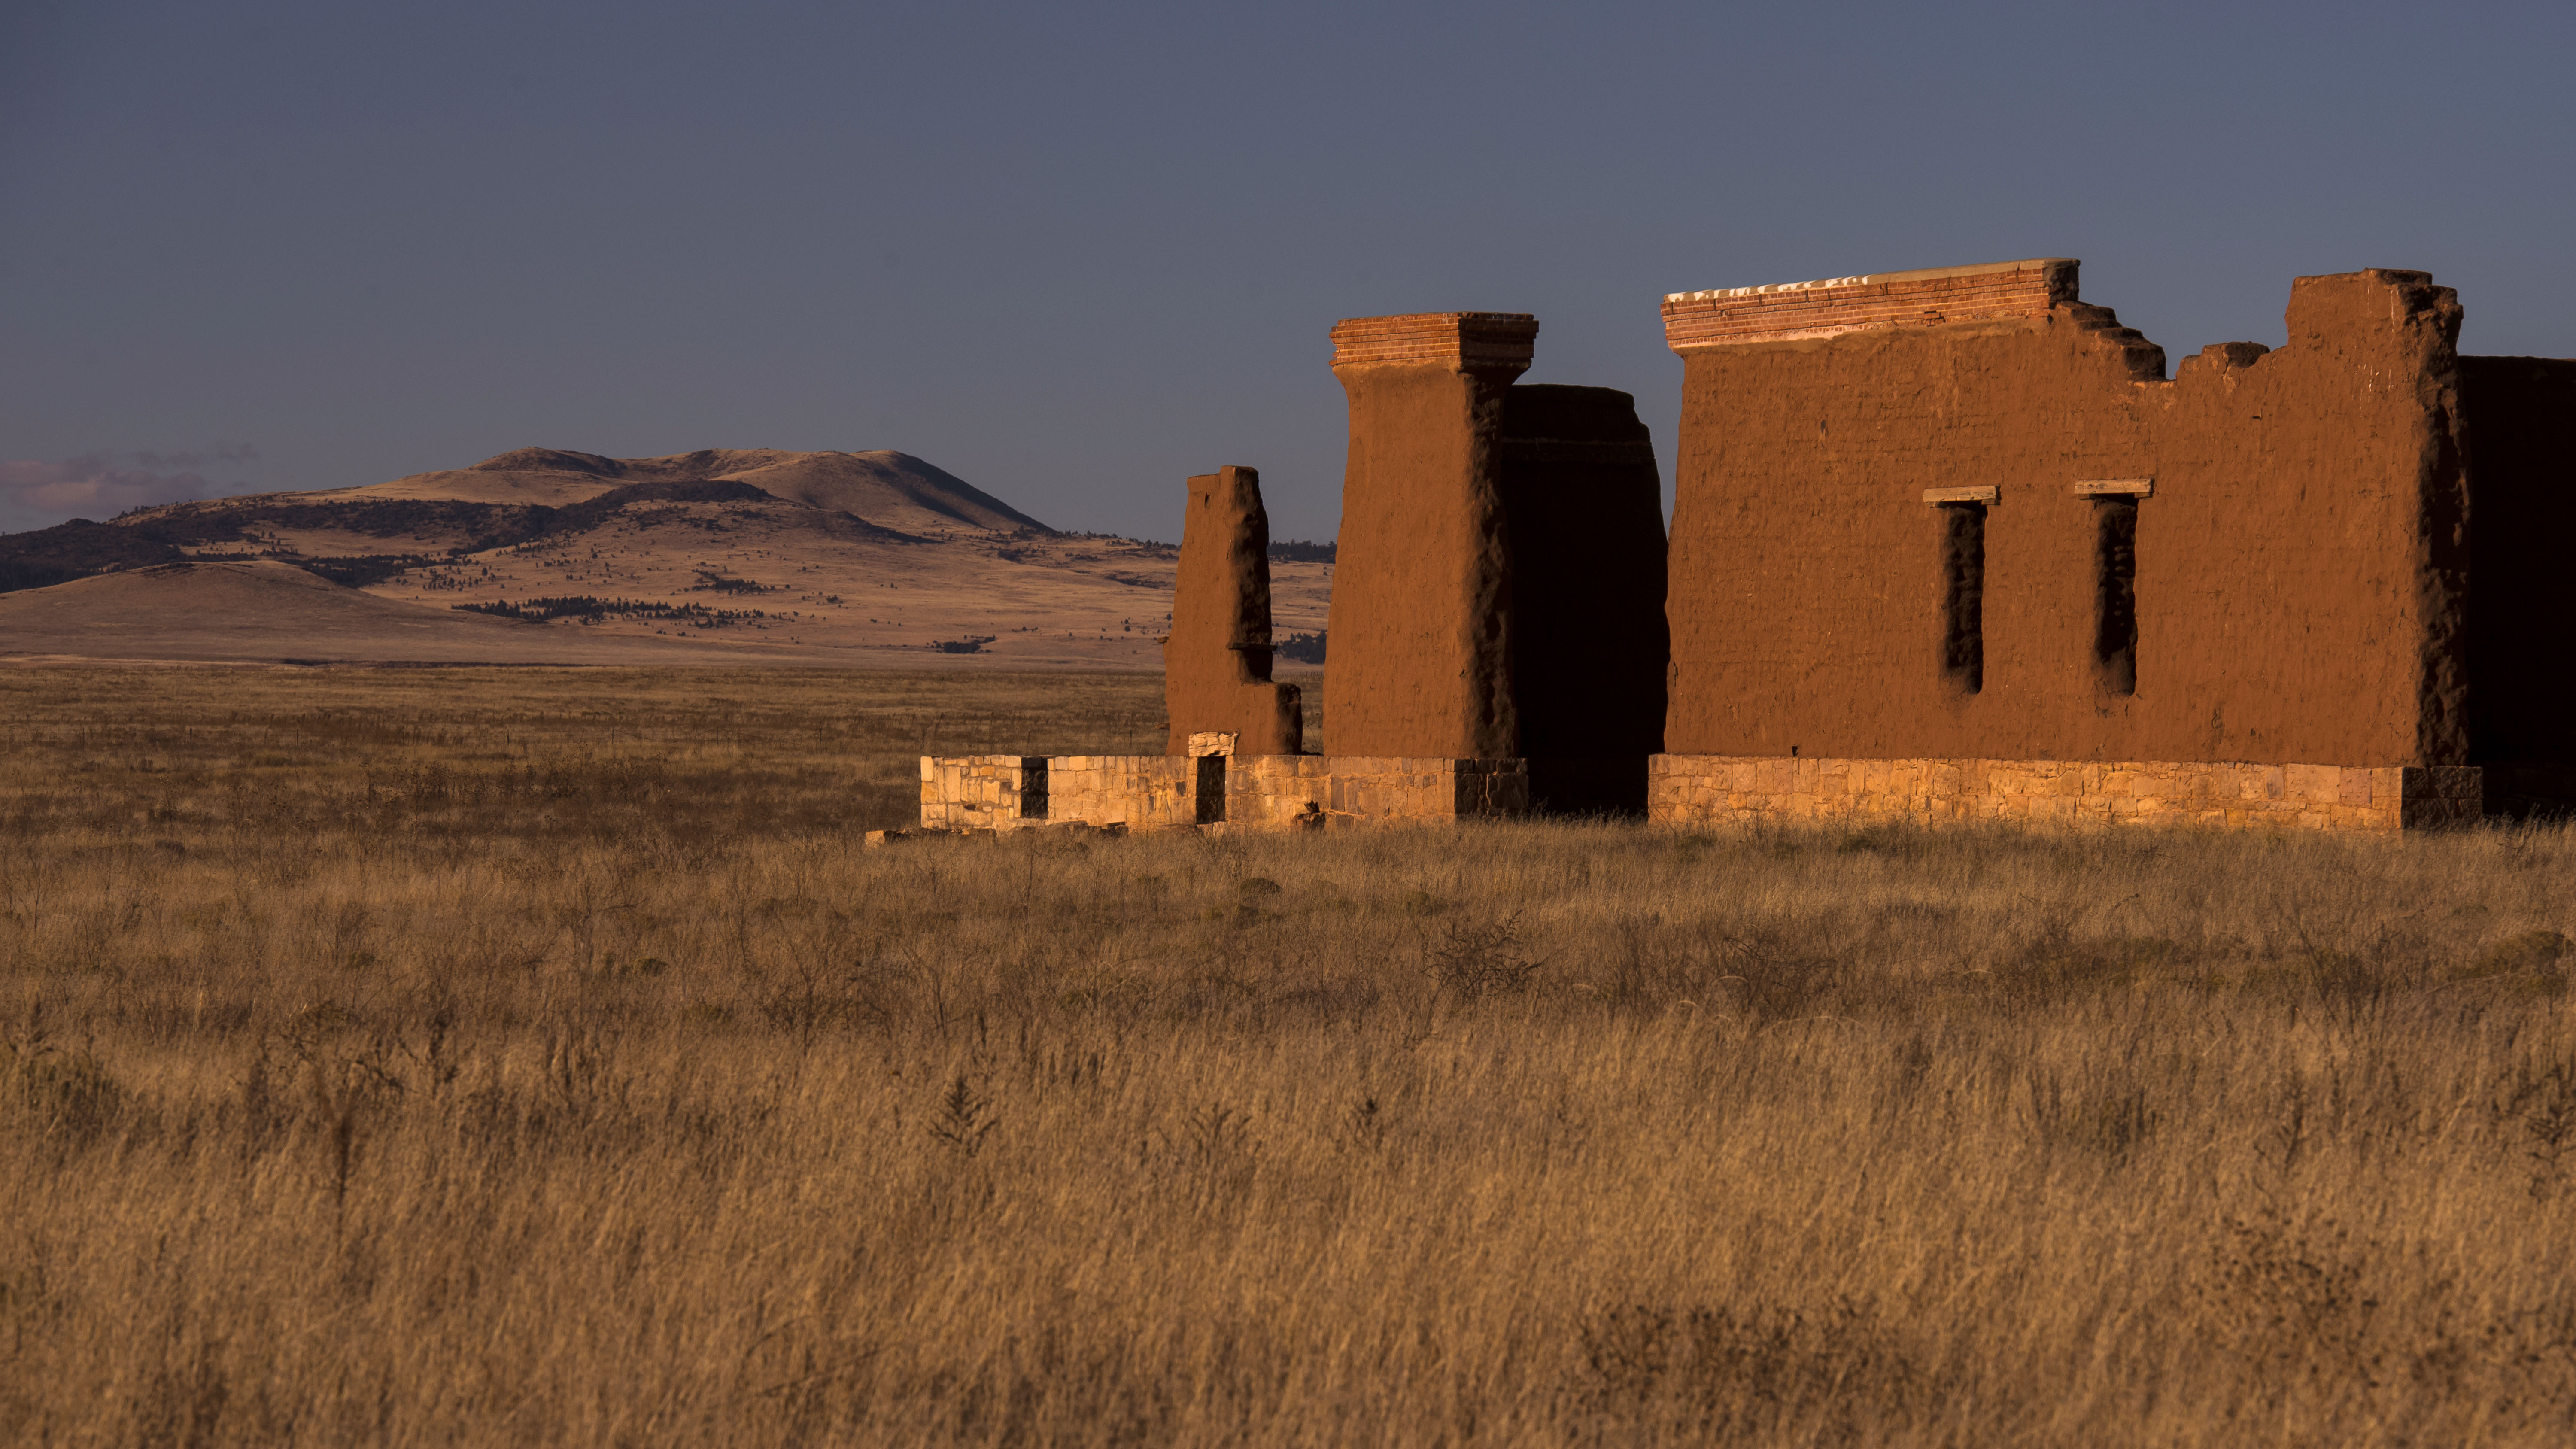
<point>1695,789</point>
<point>1004,792</point>
<point>2521,790</point>
<point>1286,790</point>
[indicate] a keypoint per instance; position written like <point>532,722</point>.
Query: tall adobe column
<point>1421,654</point>
<point>1216,664</point>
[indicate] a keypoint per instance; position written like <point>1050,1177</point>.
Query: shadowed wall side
<point>1585,514</point>
<point>1216,662</point>
<point>1421,662</point>
<point>2521,414</point>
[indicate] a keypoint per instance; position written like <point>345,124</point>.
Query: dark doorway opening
<point>1211,789</point>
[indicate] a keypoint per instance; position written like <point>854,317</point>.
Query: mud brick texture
<point>1500,590</point>
<point>2300,572</point>
<point>1216,661</point>
<point>1715,789</point>
<point>1421,662</point>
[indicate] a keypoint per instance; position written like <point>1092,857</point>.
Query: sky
<point>1075,254</point>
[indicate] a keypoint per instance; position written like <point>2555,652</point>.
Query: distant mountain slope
<point>259,611</point>
<point>884,487</point>
<point>514,498</point>
<point>842,558</point>
<point>894,490</point>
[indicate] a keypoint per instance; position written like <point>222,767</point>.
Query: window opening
<point>1963,603</point>
<point>2115,609</point>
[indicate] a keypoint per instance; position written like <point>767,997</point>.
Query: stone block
<point>1697,789</point>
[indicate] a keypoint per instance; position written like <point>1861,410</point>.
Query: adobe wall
<point>1584,512</point>
<point>1421,655</point>
<point>2521,416</point>
<point>2300,559</point>
<point>1216,661</point>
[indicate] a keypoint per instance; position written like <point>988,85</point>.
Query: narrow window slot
<point>1963,594</point>
<point>1211,788</point>
<point>2115,571</point>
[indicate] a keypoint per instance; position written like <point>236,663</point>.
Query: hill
<point>895,490</point>
<point>260,611</point>
<point>843,558</point>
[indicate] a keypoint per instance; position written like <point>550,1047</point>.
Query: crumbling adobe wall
<point>1216,661</point>
<point>2521,416</point>
<point>1421,654</point>
<point>2300,564</point>
<point>1584,514</point>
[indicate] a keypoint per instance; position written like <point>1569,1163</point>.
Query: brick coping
<point>1874,279</point>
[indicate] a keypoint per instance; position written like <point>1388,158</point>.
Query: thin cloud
<point>219,453</point>
<point>35,492</point>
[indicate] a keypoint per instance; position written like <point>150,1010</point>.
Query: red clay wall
<point>1216,661</point>
<point>2300,564</point>
<point>1585,512</point>
<point>1421,657</point>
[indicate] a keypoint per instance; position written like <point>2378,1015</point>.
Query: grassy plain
<point>422,1057</point>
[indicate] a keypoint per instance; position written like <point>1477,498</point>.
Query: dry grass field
<point>431,1057</point>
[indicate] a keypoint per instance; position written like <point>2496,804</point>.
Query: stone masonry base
<point>1695,789</point>
<point>1005,792</point>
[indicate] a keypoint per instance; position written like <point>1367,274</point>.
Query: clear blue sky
<point>1074,254</point>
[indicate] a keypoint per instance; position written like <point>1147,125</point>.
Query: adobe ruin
<point>1420,661</point>
<point>1947,545</point>
<point>1501,578</point>
<point>1216,660</point>
<point>1497,619</point>
<point>1950,544</point>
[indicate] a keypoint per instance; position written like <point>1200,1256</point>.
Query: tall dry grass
<point>439,1056</point>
